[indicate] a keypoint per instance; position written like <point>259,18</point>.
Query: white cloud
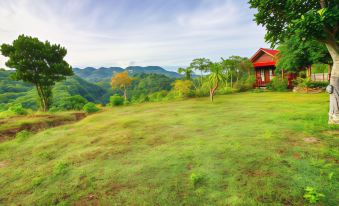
<point>118,34</point>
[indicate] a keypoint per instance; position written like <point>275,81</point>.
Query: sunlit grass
<point>244,149</point>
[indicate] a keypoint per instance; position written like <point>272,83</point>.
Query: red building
<point>264,61</point>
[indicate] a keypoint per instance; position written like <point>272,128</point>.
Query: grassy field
<point>244,149</point>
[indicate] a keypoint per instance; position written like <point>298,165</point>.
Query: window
<point>262,74</point>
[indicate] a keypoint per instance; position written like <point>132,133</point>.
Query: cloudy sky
<point>168,33</point>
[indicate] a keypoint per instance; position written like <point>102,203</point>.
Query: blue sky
<point>167,33</point>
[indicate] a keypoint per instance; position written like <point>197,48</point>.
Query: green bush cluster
<point>17,109</point>
<point>277,84</point>
<point>308,83</point>
<point>90,107</point>
<point>116,100</point>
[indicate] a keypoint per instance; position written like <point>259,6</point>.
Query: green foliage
<point>90,107</point>
<point>75,102</point>
<point>245,84</point>
<point>116,100</point>
<point>277,84</point>
<point>197,179</point>
<point>39,63</point>
<point>308,83</point>
<point>186,71</point>
<point>17,109</point>
<point>60,168</point>
<point>23,135</point>
<point>183,88</point>
<point>157,96</point>
<point>311,195</point>
<point>296,53</point>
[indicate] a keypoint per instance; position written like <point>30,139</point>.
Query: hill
<point>244,149</point>
<point>106,73</point>
<point>19,92</point>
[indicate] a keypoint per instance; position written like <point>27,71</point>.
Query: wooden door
<point>267,76</point>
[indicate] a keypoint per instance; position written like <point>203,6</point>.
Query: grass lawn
<point>244,149</point>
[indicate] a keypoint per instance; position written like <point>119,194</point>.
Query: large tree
<point>296,53</point>
<point>122,81</point>
<point>40,63</point>
<point>314,19</point>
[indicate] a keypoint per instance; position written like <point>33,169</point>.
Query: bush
<point>183,88</point>
<point>308,83</point>
<point>90,107</point>
<point>277,84</point>
<point>75,102</point>
<point>116,100</point>
<point>246,84</point>
<point>17,109</point>
<point>158,96</point>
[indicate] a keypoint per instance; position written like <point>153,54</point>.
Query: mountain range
<point>105,73</point>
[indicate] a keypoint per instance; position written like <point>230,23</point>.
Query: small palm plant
<point>186,71</point>
<point>216,78</point>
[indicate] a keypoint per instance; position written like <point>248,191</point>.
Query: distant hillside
<point>19,92</point>
<point>106,73</point>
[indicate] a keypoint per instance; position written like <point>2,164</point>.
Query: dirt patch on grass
<point>43,122</point>
<point>310,140</point>
<point>88,200</point>
<point>3,164</point>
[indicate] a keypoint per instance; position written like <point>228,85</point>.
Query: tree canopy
<point>40,63</point>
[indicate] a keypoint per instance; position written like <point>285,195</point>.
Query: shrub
<point>116,100</point>
<point>75,102</point>
<point>90,107</point>
<point>311,195</point>
<point>243,85</point>
<point>183,88</point>
<point>17,109</point>
<point>308,83</point>
<point>277,84</point>
<point>158,96</point>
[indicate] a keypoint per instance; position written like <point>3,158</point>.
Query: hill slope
<point>19,92</point>
<point>244,149</point>
<point>106,73</point>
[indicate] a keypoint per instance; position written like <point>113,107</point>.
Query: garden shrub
<point>116,100</point>
<point>17,109</point>
<point>308,83</point>
<point>90,107</point>
<point>158,96</point>
<point>245,84</point>
<point>183,88</point>
<point>277,84</point>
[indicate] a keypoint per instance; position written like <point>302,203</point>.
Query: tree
<point>215,78</point>
<point>187,71</point>
<point>296,53</point>
<point>40,63</point>
<point>122,81</point>
<point>202,65</point>
<point>314,20</point>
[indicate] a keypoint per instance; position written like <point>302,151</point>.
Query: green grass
<point>244,149</point>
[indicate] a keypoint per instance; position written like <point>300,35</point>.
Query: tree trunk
<point>125,94</point>
<point>212,92</point>
<point>334,81</point>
